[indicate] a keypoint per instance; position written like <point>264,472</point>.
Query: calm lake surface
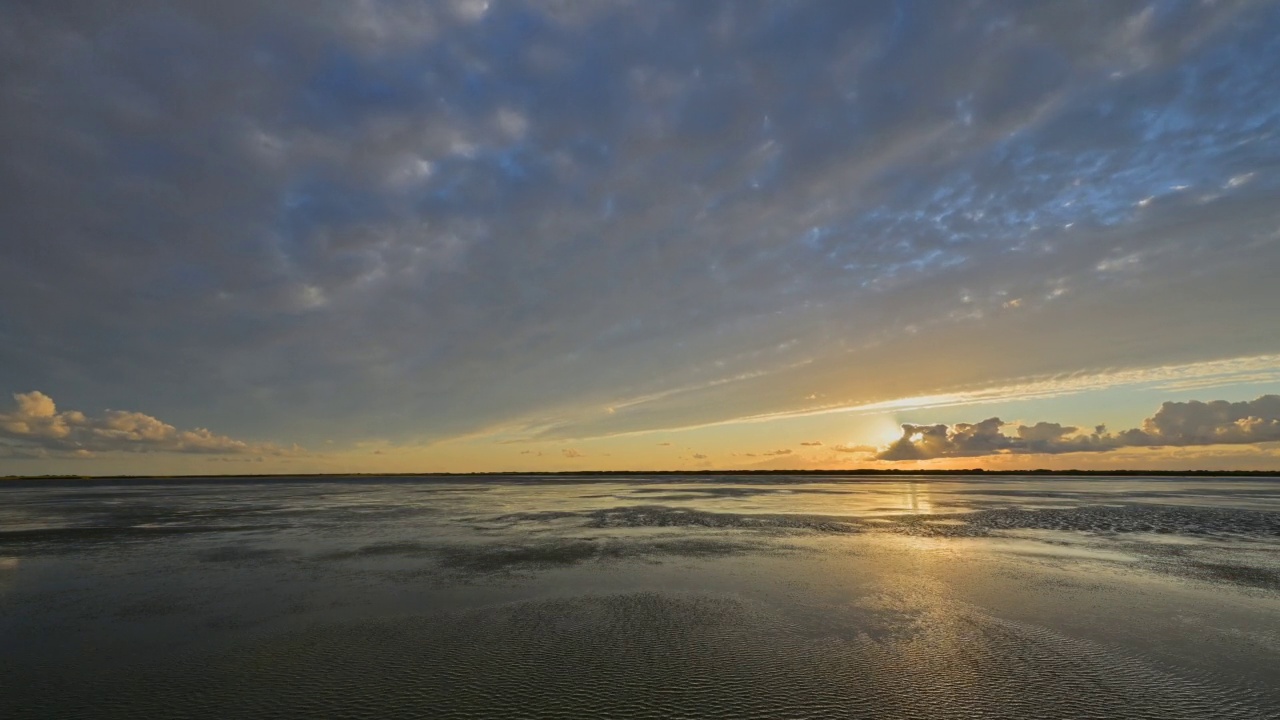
<point>638,597</point>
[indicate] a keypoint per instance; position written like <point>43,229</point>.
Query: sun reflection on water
<point>8,568</point>
<point>915,498</point>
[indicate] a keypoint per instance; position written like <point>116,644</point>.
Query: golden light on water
<point>915,498</point>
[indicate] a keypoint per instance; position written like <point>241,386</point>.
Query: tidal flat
<point>641,597</point>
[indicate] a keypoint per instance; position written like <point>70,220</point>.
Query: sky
<point>459,235</point>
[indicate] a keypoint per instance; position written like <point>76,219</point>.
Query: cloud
<point>267,194</point>
<point>572,453</point>
<point>1181,376</point>
<point>1178,424</point>
<point>1213,423</point>
<point>854,448</point>
<point>816,443</point>
<point>1043,432</point>
<point>699,456</point>
<point>920,442</point>
<point>35,428</point>
<point>785,451</point>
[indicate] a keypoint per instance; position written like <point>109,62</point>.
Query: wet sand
<point>642,597</point>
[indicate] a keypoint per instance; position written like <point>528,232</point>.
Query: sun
<point>883,432</point>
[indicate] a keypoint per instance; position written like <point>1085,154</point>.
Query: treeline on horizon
<point>861,472</point>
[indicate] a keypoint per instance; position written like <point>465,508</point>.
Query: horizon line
<point>1120,472</point>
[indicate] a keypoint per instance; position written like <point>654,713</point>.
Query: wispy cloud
<point>432,221</point>
<point>1206,374</point>
<point>1214,373</point>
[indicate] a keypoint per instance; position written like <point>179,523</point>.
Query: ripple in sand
<point>651,655</point>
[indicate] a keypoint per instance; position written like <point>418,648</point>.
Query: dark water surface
<point>642,597</point>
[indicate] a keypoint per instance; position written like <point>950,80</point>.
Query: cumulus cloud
<point>35,428</point>
<point>1218,422</point>
<point>1178,424</point>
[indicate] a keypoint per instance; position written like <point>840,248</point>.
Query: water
<point>716,597</point>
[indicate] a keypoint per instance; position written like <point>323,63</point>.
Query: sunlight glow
<point>885,432</point>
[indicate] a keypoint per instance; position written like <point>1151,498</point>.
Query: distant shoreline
<point>866,472</point>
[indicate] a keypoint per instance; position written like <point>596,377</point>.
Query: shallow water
<point>642,597</point>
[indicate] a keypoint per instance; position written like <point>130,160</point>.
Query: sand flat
<point>713,597</point>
